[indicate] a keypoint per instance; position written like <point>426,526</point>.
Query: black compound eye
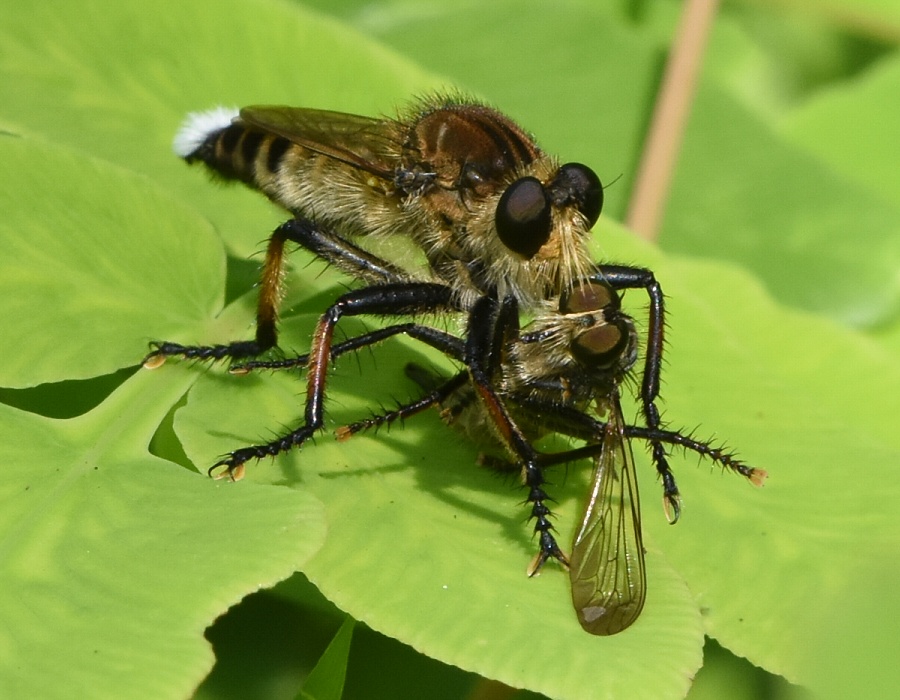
<point>523,217</point>
<point>580,185</point>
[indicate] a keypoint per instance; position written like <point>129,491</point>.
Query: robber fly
<point>495,217</point>
<point>562,374</point>
<point>492,212</point>
<point>504,227</point>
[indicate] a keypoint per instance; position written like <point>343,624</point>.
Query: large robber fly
<point>504,229</point>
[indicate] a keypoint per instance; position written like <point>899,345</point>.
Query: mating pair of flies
<point>505,231</point>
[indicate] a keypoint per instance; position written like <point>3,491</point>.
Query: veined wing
<point>609,581</point>
<point>363,142</point>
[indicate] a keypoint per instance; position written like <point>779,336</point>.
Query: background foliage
<point>779,254</point>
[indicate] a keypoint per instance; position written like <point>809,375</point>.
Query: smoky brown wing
<point>607,565</point>
<point>364,142</point>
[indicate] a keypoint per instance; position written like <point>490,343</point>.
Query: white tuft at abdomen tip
<point>198,126</point>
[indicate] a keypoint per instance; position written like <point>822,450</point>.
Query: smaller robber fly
<point>562,374</point>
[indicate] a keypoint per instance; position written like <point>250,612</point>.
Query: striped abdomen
<point>230,148</point>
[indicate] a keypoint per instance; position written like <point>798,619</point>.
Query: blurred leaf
<point>819,240</point>
<point>878,18</point>
<point>717,679</point>
<point>851,128</point>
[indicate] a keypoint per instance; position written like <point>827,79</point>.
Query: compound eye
<point>581,186</point>
<point>589,296</point>
<point>523,217</point>
<point>602,346</point>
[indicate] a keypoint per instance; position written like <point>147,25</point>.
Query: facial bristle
<point>198,126</point>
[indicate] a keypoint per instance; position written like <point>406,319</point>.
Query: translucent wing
<point>607,565</point>
<point>363,142</point>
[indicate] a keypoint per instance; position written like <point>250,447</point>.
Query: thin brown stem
<point>651,189</point>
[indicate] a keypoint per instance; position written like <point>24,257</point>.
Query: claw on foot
<point>758,477</point>
<point>534,567</point>
<point>232,472</point>
<point>672,507</point>
<point>154,360</point>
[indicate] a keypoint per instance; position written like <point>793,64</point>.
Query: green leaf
<point>859,636</point>
<point>112,560</point>
<point>433,550</point>
<point>411,504</point>
<point>818,416</point>
<point>94,268</point>
<point>326,681</point>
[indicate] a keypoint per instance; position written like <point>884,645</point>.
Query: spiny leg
<point>324,244</point>
<point>450,345</point>
<point>577,424</point>
<point>625,277</point>
<point>266,317</point>
<point>487,319</point>
<point>507,327</point>
<point>383,300</point>
<point>433,398</point>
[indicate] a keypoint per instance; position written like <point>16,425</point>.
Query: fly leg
<point>577,424</point>
<point>326,245</point>
<point>624,277</point>
<point>489,323</point>
<point>383,300</point>
<point>450,345</point>
<point>435,397</point>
